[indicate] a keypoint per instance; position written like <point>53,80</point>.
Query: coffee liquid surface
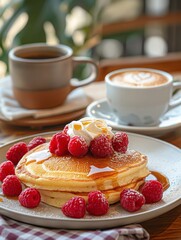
<point>40,55</point>
<point>139,79</point>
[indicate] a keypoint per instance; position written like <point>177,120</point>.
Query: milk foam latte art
<point>139,79</point>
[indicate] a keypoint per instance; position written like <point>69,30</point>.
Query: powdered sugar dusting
<point>128,157</point>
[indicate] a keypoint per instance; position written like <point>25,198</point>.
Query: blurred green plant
<point>40,12</point>
<point>37,13</point>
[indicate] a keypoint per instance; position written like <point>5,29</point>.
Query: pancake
<point>60,178</point>
<point>57,199</point>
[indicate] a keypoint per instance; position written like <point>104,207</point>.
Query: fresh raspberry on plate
<point>59,144</point>
<point>6,168</point>
<point>35,142</point>
<point>78,146</point>
<point>75,207</point>
<point>11,186</point>
<point>120,142</point>
<point>29,198</point>
<point>97,203</point>
<point>16,152</point>
<point>152,191</point>
<point>101,146</point>
<point>131,200</point>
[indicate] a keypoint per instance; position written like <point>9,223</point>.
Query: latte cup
<point>42,74</point>
<point>140,96</point>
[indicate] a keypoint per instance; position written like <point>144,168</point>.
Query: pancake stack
<point>58,178</point>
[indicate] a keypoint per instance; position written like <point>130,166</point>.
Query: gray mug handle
<point>176,102</point>
<point>92,77</point>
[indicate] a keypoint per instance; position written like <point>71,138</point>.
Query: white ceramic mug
<point>42,74</point>
<point>140,96</point>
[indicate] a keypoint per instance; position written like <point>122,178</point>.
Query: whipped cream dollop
<point>89,128</point>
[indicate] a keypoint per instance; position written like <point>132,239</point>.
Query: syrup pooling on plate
<point>161,178</point>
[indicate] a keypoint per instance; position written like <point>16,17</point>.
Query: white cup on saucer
<point>140,96</point>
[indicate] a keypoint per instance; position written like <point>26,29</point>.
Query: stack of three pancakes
<point>58,178</point>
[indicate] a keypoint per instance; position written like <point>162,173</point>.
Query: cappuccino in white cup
<point>140,96</point>
<point>136,78</point>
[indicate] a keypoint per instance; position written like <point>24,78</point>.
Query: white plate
<point>162,156</point>
<point>169,122</point>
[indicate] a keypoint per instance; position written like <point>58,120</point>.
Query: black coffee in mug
<point>40,54</point>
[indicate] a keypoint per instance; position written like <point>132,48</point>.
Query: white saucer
<point>169,122</point>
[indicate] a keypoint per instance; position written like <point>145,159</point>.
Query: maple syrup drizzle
<point>162,179</point>
<point>101,171</point>
<point>95,171</point>
<point>39,157</point>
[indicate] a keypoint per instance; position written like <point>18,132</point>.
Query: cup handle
<point>176,102</point>
<point>92,77</point>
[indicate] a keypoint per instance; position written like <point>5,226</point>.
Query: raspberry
<point>59,144</point>
<point>78,146</point>
<point>120,142</point>
<point>29,198</point>
<point>75,207</point>
<point>16,152</point>
<point>97,203</point>
<point>11,186</point>
<point>35,142</point>
<point>152,191</point>
<point>6,168</point>
<point>101,146</point>
<point>131,200</point>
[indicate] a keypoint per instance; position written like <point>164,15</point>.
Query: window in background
<point>155,43</point>
<point>118,44</point>
<point>98,28</point>
<point>157,7</point>
<point>157,36</point>
<point>110,48</point>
